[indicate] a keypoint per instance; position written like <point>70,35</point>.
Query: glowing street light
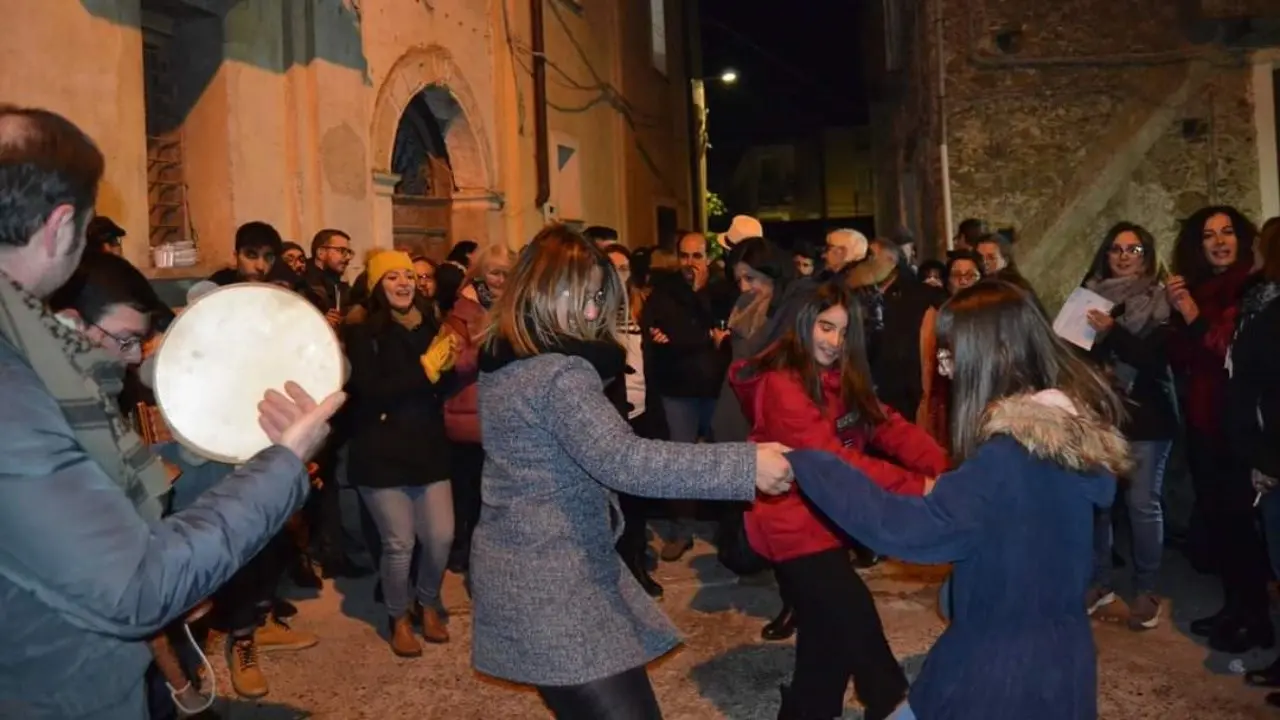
<point>728,76</point>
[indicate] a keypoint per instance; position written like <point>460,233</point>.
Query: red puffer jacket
<point>779,409</point>
<point>461,412</point>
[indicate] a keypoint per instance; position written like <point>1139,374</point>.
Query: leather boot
<point>781,627</point>
<point>638,565</point>
<point>403,643</point>
<point>434,629</point>
<point>1243,634</point>
<point>1205,625</point>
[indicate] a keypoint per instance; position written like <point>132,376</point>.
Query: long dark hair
<point>1188,255</point>
<point>792,349</point>
<point>1003,345</point>
<point>1100,269</point>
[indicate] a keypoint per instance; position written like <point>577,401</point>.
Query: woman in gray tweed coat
<point>554,605</point>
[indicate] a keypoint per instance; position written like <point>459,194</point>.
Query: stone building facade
<point>1061,118</point>
<point>402,122</point>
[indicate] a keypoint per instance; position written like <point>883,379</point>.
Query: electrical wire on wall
<point>605,93</point>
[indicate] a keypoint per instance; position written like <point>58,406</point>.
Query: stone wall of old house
<point>1064,118</point>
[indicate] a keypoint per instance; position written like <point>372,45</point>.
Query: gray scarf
<point>1144,306</point>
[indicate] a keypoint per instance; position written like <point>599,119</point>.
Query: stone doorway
<point>433,170</point>
<point>422,197</point>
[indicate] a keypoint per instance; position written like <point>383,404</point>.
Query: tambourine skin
<point>225,350</point>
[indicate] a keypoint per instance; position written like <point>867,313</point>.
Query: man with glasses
<point>330,255</point>
<point>89,568</point>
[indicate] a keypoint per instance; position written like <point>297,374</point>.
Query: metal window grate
<point>166,184</point>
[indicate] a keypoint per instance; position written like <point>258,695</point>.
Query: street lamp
<point>728,76</point>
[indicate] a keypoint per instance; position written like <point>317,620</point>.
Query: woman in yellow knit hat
<point>399,453</point>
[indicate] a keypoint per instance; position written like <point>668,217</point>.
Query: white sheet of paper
<point>1072,324</point>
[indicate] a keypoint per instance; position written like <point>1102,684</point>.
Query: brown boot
<point>403,643</point>
<point>433,627</point>
<point>246,673</point>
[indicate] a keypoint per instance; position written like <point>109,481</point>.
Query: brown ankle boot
<point>433,627</point>
<point>403,643</point>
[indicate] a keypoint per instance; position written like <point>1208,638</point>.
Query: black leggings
<point>838,636</point>
<point>625,696</point>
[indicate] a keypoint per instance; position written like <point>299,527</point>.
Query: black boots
<point>781,627</point>
<point>638,564</point>
<point>1235,632</point>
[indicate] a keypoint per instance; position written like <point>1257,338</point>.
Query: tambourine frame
<point>159,396</point>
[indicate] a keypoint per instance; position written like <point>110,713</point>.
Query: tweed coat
<point>553,603</point>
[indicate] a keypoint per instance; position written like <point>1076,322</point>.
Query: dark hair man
<point>257,247</point>
<point>330,255</point>
<point>601,235</point>
<point>88,570</point>
<point>105,235</point>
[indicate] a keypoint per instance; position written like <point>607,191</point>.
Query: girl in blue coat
<point>1034,433</point>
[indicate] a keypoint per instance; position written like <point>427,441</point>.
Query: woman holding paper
<point>1131,347</point>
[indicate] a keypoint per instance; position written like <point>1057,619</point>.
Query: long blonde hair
<point>557,267</point>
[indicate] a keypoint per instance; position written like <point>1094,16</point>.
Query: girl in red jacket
<point>811,389</point>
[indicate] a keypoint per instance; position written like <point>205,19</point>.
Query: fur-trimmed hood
<point>1050,427</point>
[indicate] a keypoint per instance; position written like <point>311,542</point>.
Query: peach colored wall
<point>101,92</point>
<point>300,142</point>
<point>663,130</point>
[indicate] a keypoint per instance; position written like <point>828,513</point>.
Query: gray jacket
<point>84,580</point>
<point>553,602</point>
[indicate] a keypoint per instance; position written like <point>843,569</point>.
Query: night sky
<point>799,68</point>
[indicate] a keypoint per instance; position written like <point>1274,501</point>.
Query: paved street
<point>724,670</point>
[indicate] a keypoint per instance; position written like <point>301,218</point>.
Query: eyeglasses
<point>966,276</point>
<point>345,252</point>
<point>126,344</point>
<point>1134,250</point>
<point>946,362</point>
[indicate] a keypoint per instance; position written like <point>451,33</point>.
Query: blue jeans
<point>1142,493</point>
<point>689,418</point>
<point>403,515</point>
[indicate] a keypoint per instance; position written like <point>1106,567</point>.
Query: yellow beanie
<point>384,262</point>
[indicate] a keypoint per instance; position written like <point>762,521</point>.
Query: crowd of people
<point>520,417</point>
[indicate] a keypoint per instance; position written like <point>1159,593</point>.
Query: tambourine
<point>225,350</point>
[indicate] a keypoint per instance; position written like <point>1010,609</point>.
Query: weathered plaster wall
<point>655,142</point>
<point>290,108</point>
<point>55,55</point>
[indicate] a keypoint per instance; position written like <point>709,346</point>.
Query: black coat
<point>1149,403</point>
<point>894,350</point>
<point>689,365</point>
<point>1253,392</point>
<point>396,423</point>
<point>325,290</point>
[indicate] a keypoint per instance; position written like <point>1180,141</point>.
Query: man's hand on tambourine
<point>294,419</point>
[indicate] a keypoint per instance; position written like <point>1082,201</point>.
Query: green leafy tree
<point>715,206</point>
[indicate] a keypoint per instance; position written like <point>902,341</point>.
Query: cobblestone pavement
<point>724,669</point>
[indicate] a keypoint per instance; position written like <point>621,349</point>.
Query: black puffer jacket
<point>396,420</point>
